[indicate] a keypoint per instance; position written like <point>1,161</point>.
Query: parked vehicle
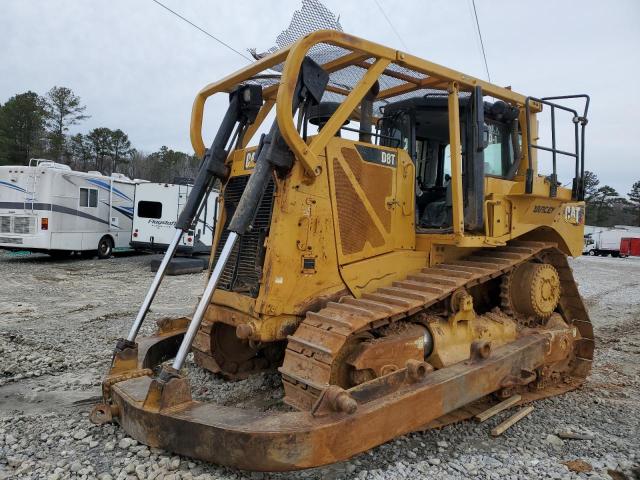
<point>157,207</point>
<point>48,207</point>
<point>630,247</point>
<point>604,242</point>
<point>589,243</point>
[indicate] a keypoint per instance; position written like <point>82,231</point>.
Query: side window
<point>148,209</point>
<point>498,155</point>
<point>88,197</point>
<point>396,131</point>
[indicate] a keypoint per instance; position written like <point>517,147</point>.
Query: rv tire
<point>105,247</point>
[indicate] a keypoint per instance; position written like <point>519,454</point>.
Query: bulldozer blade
<point>387,407</point>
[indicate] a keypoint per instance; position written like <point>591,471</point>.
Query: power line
<point>203,31</point>
<point>475,28</point>
<point>391,25</point>
<point>484,55</point>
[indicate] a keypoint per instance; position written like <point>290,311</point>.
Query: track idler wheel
<point>531,290</point>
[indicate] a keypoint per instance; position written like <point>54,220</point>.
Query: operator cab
<point>421,127</point>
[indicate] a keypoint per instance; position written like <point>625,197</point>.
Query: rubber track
<point>320,337</point>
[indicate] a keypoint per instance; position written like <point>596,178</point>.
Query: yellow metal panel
<point>497,217</point>
<point>380,210</point>
<point>404,203</point>
<point>301,227</point>
<point>372,273</point>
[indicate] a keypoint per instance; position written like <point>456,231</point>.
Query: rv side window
<point>149,209</point>
<point>88,197</point>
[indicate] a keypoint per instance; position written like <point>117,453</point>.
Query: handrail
<point>578,153</point>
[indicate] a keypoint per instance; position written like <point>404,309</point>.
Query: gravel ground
<point>59,321</point>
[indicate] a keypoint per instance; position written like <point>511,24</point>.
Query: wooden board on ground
<point>487,414</point>
<point>500,429</point>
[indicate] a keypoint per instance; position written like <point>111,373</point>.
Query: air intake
<point>244,268</point>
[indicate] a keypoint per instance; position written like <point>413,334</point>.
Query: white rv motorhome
<point>156,211</point>
<point>48,207</point>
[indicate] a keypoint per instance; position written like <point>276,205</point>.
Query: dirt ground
<point>59,320</point>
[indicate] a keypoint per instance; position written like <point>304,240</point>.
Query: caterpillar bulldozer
<point>388,246</point>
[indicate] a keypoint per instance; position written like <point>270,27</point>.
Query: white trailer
<point>156,211</point>
<point>48,207</point>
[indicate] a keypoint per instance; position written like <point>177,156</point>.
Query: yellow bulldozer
<point>388,246</point>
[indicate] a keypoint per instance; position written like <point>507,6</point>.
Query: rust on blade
<point>253,440</point>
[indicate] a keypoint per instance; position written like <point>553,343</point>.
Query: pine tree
<point>79,151</point>
<point>22,121</point>
<point>63,109</point>
<point>603,200</point>
<point>100,141</point>
<point>591,183</point>
<point>634,200</point>
<point>120,148</point>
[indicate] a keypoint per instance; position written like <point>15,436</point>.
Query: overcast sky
<point>138,68</point>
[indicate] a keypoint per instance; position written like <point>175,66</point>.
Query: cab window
<point>396,131</point>
<point>498,155</point>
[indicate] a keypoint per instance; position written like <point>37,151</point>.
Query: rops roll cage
<point>400,74</point>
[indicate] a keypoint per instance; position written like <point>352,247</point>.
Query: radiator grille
<point>376,183</point>
<point>24,225</point>
<point>356,225</point>
<point>244,268</point>
<point>5,224</point>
